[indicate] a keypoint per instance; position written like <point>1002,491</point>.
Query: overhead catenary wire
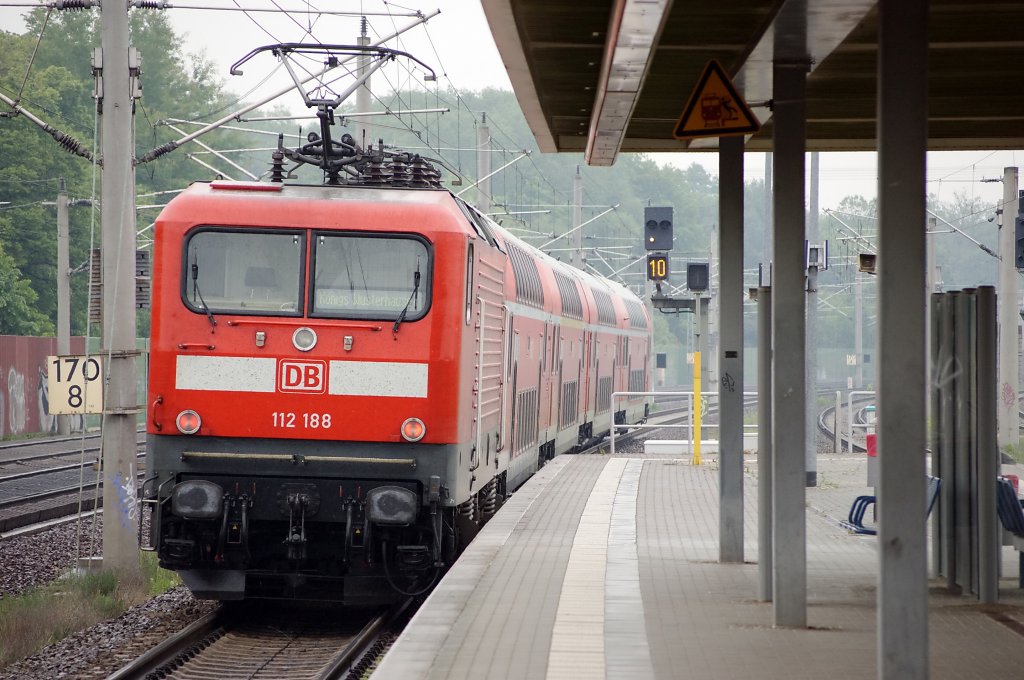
<point>171,146</point>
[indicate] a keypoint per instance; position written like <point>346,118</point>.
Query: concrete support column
<point>901,353</point>
<point>789,522</point>
<point>1009,421</point>
<point>766,240</point>
<point>120,524</point>
<point>730,349</point>
<point>576,258</point>
<point>764,443</point>
<point>63,290</point>
<point>811,413</point>
<point>483,165</point>
<point>364,134</point>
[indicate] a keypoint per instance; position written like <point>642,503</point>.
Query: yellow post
<point>697,401</point>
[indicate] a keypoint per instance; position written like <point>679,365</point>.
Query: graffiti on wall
<point>23,389</point>
<point>16,412</point>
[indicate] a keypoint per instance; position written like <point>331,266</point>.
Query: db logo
<point>302,376</point>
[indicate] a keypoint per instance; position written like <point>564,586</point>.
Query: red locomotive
<point>346,380</point>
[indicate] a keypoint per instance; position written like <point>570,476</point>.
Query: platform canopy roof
<point>604,76</point>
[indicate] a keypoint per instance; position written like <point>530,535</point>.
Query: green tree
<point>59,88</point>
<point>18,315</point>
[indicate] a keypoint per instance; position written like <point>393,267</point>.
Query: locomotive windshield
<point>370,277</point>
<point>244,272</point>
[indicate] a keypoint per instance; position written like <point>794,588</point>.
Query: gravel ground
<point>29,561</point>
<point>98,651</point>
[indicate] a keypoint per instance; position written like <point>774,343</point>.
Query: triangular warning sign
<point>715,108</point>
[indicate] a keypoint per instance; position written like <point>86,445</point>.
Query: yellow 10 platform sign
<point>657,267</point>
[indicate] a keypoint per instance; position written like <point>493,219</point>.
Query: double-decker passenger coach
<point>346,380</point>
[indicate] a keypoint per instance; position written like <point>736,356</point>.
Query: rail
<point>689,396</point>
<point>849,413</point>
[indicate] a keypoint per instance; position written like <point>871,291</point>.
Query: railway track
<point>277,642</point>
<point>827,416</point>
<point>34,489</point>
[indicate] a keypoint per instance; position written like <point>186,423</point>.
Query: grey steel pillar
<point>946,372</point>
<point>63,291</point>
<point>789,521</point>
<point>120,523</point>
<point>964,404</point>
<point>858,330</point>
<point>988,449</point>
<point>935,346</point>
<point>766,239</point>
<point>811,412</point>
<point>1009,420</point>
<point>730,349</point>
<point>703,339</point>
<point>902,143</point>
<point>764,443</point>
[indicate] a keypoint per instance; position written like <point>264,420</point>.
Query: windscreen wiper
<point>405,310</point>
<point>197,293</point>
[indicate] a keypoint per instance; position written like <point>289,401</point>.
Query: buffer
<point>715,108</point>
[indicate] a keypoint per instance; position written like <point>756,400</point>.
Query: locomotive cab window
<point>370,277</point>
<point>243,272</point>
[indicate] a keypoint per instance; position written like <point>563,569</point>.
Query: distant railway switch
<point>697,276</point>
<point>658,228</point>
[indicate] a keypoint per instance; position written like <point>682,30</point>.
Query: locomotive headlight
<point>188,422</point>
<point>391,505</point>
<point>304,339</point>
<point>413,429</point>
<point>197,499</point>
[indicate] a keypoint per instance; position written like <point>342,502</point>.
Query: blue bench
<point>1011,514</point>
<point>855,520</point>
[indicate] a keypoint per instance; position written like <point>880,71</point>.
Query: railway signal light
<point>867,262</point>
<point>658,228</point>
<point>697,276</point>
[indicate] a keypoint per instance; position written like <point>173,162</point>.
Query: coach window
<point>243,272</point>
<point>370,276</point>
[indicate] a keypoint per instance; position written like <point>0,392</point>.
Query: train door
<point>556,377</point>
<point>514,359</point>
<point>544,384</point>
<point>508,410</point>
<point>588,370</point>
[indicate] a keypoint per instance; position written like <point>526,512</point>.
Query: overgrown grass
<point>44,615</point>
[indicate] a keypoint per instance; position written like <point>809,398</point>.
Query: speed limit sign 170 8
<point>75,384</point>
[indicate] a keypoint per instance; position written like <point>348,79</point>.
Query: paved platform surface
<point>606,567</point>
